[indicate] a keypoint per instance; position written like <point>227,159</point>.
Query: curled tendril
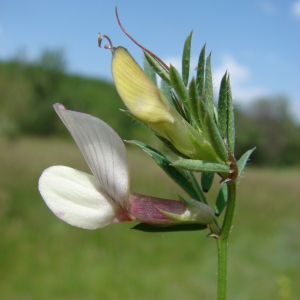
<point>104,36</point>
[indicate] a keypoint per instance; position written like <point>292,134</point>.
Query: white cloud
<point>240,79</point>
<point>175,61</point>
<point>268,7</point>
<point>296,9</point>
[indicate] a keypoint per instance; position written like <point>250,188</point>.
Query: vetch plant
<point>183,115</point>
<point>92,202</point>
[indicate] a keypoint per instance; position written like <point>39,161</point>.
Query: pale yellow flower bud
<point>140,95</point>
<point>146,102</point>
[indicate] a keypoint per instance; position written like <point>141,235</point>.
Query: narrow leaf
<point>149,70</point>
<point>166,90</point>
<point>221,200</point>
<point>201,166</point>
<point>243,160</point>
<point>193,103</point>
<point>207,181</point>
<point>215,137</point>
<point>223,108</point>
<point>179,86</point>
<point>202,110</point>
<point>231,124</point>
<point>165,162</point>
<point>186,56</point>
<point>159,69</point>
<point>200,73</point>
<point>180,227</point>
<point>209,91</point>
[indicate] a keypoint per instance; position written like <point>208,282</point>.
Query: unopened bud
<point>146,102</point>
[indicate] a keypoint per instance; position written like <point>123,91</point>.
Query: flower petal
<point>140,95</point>
<point>103,150</point>
<point>76,198</point>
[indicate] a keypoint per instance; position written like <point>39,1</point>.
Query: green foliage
<point>201,166</point>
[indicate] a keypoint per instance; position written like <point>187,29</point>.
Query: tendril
<point>104,36</point>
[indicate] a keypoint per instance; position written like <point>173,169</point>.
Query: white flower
<point>92,202</point>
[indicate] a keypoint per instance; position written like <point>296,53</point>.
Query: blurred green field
<point>43,258</point>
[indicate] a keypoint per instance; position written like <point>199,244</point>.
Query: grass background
<point>43,258</point>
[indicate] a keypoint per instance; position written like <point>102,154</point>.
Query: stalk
<point>222,241</point>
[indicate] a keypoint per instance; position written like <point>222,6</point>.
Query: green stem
<point>222,241</point>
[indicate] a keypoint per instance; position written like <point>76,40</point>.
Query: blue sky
<point>256,41</point>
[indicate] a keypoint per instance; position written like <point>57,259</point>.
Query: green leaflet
<point>215,138</point>
<point>243,160</point>
<point>159,69</point>
<point>187,227</point>
<point>207,181</point>
<point>200,73</point>
<point>149,70</point>
<point>186,56</point>
<point>201,166</point>
<point>166,90</point>
<point>179,176</point>
<point>223,108</point>
<point>231,123</point>
<point>225,113</point>
<point>180,89</point>
<point>221,200</point>
<point>193,103</point>
<point>209,90</point>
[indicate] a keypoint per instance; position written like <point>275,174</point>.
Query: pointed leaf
<point>202,110</point>
<point>77,198</point>
<point>193,102</point>
<point>149,70</point>
<point>221,200</point>
<point>215,138</point>
<point>209,91</point>
<point>207,181</point>
<point>200,73</point>
<point>231,123</point>
<point>188,227</point>
<point>103,150</point>
<point>243,160</point>
<point>166,90</point>
<point>186,56</point>
<point>179,87</point>
<point>159,69</point>
<point>200,166</point>
<point>223,108</point>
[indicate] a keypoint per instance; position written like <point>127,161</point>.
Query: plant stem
<point>222,241</point>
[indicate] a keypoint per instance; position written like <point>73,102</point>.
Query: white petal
<point>76,198</point>
<point>103,150</point>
